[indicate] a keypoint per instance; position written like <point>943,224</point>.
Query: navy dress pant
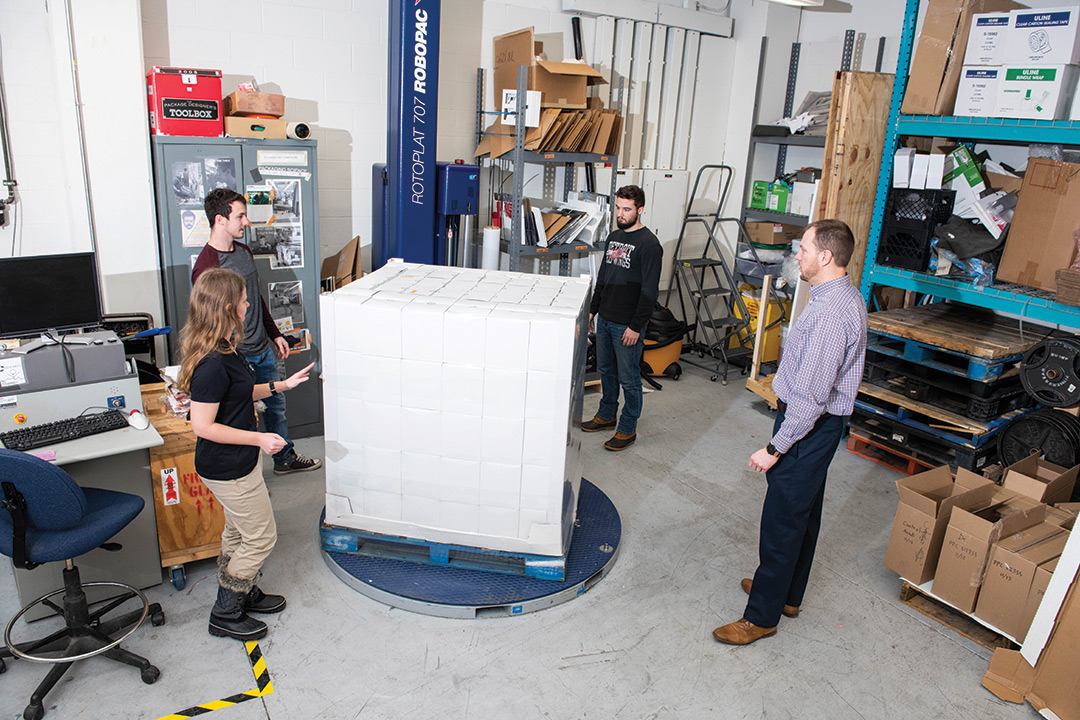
<point>790,520</point>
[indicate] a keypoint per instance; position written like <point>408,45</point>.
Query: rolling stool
<point>49,518</point>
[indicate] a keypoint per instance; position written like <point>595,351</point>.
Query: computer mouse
<point>138,421</point>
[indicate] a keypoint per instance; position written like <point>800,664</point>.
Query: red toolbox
<point>185,101</point>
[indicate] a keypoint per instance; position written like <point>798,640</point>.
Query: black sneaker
<point>259,602</point>
<point>296,463</point>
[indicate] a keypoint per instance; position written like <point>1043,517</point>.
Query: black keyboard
<point>36,436</point>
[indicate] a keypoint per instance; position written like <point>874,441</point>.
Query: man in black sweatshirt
<point>622,303</point>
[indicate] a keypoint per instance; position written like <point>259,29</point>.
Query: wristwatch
<point>773,451</point>
<point>273,391</point>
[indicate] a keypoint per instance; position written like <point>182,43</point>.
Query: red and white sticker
<point>170,486</point>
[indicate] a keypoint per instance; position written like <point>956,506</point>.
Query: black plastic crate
<point>911,216</point>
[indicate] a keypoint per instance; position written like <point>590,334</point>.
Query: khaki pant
<point>250,530</point>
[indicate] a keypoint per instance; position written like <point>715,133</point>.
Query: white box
<point>919,164</point>
<point>801,198</point>
<point>977,94</point>
<point>463,389</point>
<point>902,167</point>
<point>986,41</point>
<point>421,385</point>
<point>935,171</point>
<point>434,450</point>
<point>1043,92</point>
<point>1043,36</point>
<point>461,436</point>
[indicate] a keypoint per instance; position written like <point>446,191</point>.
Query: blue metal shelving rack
<point>1005,297</point>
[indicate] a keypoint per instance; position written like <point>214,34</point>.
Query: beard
<point>623,224</point>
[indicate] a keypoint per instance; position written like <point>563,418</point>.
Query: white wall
<point>51,213</point>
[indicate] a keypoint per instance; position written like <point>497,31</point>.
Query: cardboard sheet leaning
<point>449,399</point>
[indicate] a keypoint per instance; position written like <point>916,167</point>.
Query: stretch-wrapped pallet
<point>450,397</point>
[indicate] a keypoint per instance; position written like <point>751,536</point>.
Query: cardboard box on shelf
<point>1040,240</point>
<point>253,103</point>
<point>968,538</point>
<point>902,162</point>
<point>562,84</point>
<point>1043,36</point>
<point>978,91</point>
<point>779,193</point>
<point>801,198</point>
<point>926,501</point>
<point>1010,572</point>
<point>939,54</point>
<point>1040,480</point>
<point>1036,92</point>
<point>343,266</point>
<point>962,170</point>
<point>986,41</point>
<point>184,101</point>
<point>766,233</point>
<point>759,195</point>
<point>269,128</point>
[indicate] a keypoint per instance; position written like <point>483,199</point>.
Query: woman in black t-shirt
<point>227,458</point>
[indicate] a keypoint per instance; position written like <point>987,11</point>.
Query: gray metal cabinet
<point>286,249</point>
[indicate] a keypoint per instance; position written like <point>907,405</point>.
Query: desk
<point>116,460</point>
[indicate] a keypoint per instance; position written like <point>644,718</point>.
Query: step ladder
<point>717,317</point>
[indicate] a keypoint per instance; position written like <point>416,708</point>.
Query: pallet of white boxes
<point>449,399</point>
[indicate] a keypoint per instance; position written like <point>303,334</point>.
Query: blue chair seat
<point>107,513</point>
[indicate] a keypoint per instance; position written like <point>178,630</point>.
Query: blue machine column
<point>412,132</point>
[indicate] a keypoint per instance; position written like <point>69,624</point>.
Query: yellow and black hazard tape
<point>262,679</point>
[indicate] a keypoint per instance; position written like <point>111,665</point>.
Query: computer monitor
<point>39,293</point>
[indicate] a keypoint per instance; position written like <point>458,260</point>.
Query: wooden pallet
<point>924,446</point>
<point>393,547</point>
<point>965,341</point>
<point>914,598</point>
<point>889,457</point>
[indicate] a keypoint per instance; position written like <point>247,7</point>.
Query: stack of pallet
<point>941,382</point>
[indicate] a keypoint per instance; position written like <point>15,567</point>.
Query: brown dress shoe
<point>596,424</point>
<point>742,632</point>
<point>790,611</point>
<point>621,441</point>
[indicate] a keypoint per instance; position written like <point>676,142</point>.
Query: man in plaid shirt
<point>815,385</point>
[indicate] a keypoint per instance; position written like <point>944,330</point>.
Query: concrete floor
<point>638,645</point>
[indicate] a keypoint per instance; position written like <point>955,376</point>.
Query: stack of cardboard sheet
<point>578,131</point>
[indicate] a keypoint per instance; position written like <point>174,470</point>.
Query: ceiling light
<point>800,3</point>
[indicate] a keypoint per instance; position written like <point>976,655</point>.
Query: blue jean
<point>619,366</point>
<point>790,521</point>
<point>266,370</point>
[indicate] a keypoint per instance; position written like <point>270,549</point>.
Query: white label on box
<point>977,94</point>
<point>986,42</point>
<point>170,486</point>
<point>1041,93</point>
<point>1044,36</point>
<point>532,108</point>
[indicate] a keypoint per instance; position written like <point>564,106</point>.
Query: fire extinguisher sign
<point>170,486</point>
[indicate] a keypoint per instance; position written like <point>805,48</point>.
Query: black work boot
<point>259,602</point>
<point>228,619</point>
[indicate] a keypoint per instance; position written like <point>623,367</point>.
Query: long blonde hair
<point>213,323</point>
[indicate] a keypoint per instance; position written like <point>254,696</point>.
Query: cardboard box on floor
<point>1041,240</point>
<point>926,502</point>
<point>1010,572</point>
<point>1039,582</point>
<point>1043,671</point>
<point>968,538</point>
<point>344,266</point>
<point>939,55</point>
<point>1040,480</point>
<point>562,84</point>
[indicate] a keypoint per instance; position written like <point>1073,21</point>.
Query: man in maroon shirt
<point>263,344</point>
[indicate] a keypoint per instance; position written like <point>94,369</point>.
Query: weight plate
<point>1050,372</point>
<point>1053,434</point>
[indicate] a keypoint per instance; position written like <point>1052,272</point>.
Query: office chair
<point>47,517</point>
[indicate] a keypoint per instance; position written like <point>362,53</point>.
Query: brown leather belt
<point>781,405</point>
